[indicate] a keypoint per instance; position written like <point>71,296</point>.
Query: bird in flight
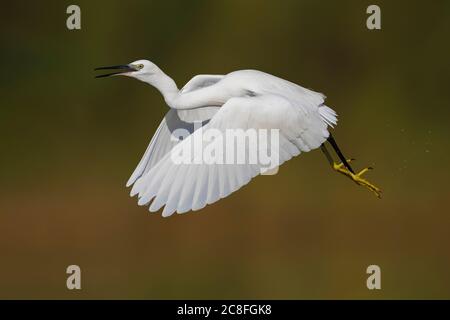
<point>241,100</point>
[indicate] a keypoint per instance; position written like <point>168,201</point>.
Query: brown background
<point>69,142</point>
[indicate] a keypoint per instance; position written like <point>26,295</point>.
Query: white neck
<point>164,84</point>
<point>203,97</point>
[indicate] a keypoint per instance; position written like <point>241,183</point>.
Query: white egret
<point>239,100</point>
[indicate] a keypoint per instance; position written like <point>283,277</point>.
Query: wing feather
<point>201,81</point>
<point>164,138</point>
<point>183,187</point>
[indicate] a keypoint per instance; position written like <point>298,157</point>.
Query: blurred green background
<point>69,143</point>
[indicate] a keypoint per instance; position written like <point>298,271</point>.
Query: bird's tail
<point>328,115</point>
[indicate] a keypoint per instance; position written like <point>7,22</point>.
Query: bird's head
<point>139,69</point>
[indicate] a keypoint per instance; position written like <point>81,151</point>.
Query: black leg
<point>338,152</point>
<point>327,154</point>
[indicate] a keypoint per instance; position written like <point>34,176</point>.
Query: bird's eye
<point>140,66</point>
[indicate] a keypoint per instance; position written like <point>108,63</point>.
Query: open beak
<point>122,69</point>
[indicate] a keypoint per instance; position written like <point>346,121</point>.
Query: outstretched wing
<point>164,138</point>
<point>201,81</point>
<point>190,186</point>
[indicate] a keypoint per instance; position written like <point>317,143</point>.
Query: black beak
<point>123,69</point>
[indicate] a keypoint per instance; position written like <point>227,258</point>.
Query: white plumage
<point>239,100</point>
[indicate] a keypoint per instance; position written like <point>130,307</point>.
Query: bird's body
<point>240,100</point>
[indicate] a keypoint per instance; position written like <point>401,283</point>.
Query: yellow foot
<point>357,178</point>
